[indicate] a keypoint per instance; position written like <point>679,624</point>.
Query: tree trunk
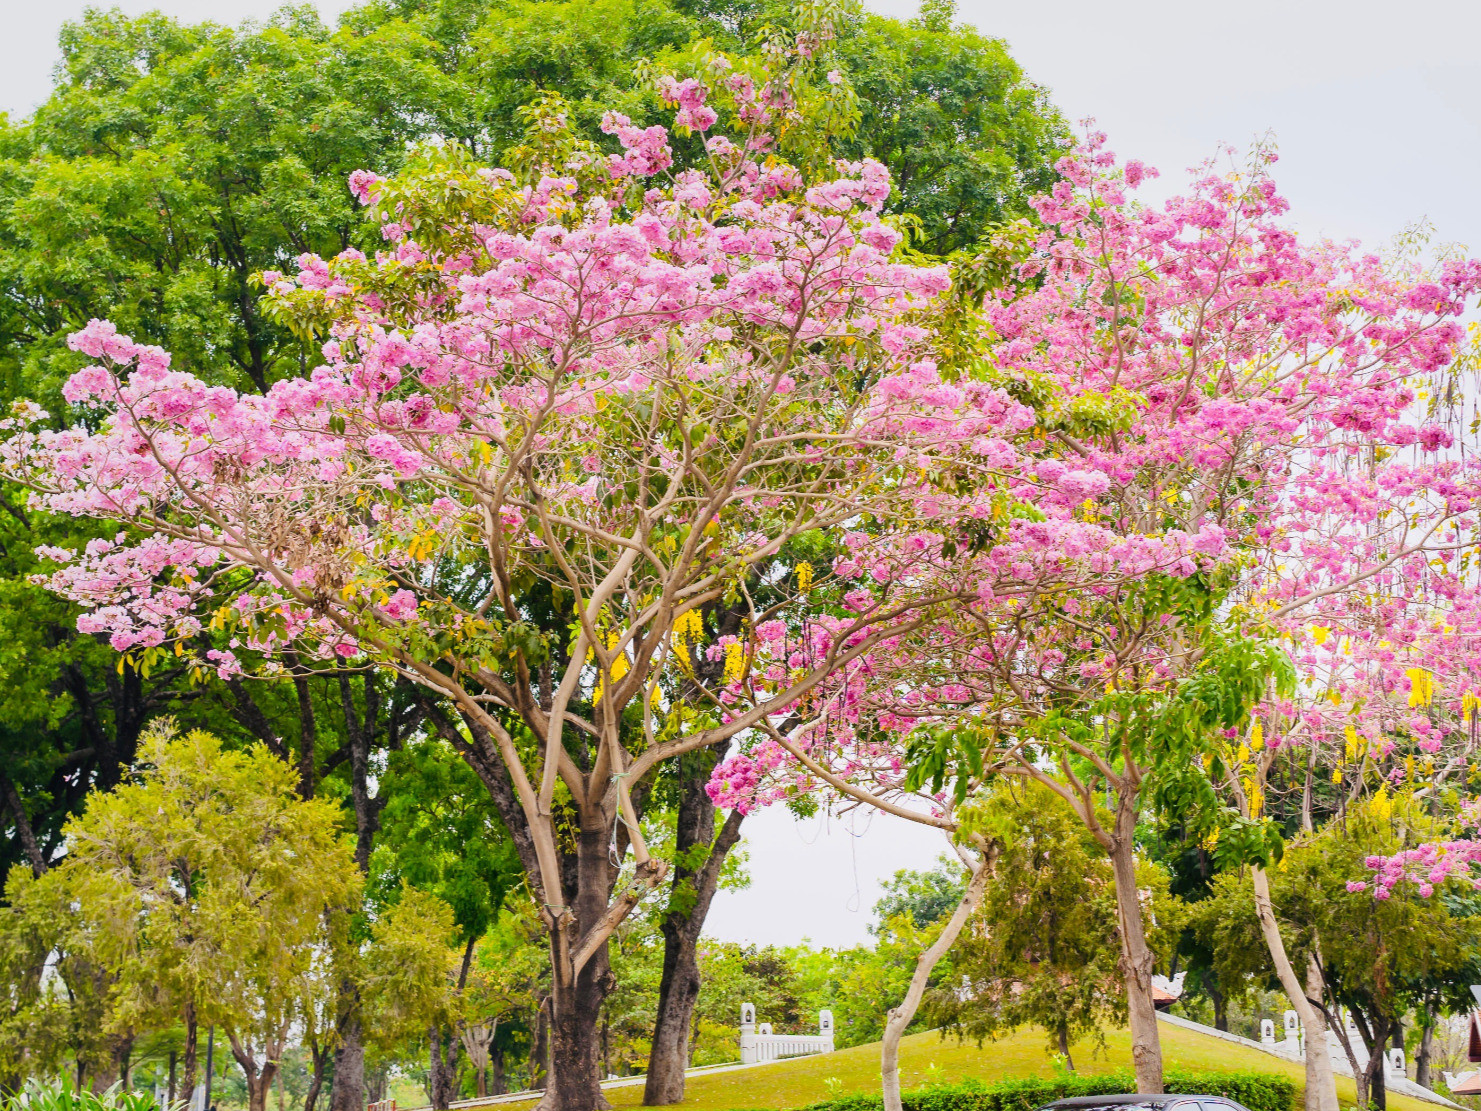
<point>347,1093</point>
<point>576,996</point>
<point>192,1032</point>
<point>1064,1047</point>
<point>692,892</point>
<point>1426,1052</point>
<point>171,1090</point>
<point>1321,1083</point>
<point>900,1017</point>
<point>498,1085</point>
<point>319,1056</point>
<point>1372,1089</point>
<point>1137,959</point>
<point>259,1086</point>
<point>442,1075</point>
<point>1221,1004</point>
<point>574,1081</point>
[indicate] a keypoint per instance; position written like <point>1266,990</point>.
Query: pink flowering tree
<point>1227,447</point>
<point>586,397</point>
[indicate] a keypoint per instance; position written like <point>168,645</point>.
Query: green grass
<point>797,1082</point>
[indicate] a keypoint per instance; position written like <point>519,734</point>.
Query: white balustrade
<point>758,1043</point>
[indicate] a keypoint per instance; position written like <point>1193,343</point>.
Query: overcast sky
<point>1373,103</point>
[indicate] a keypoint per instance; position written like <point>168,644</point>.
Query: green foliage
<point>924,897</point>
<point>1257,1091</point>
<point>62,1096</point>
<point>441,833</point>
<point>1043,948</point>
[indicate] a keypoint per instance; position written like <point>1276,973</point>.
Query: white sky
<point>1375,104</point>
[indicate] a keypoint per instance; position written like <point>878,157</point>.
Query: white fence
<point>758,1043</point>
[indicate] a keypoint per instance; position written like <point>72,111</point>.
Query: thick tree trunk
<point>259,1086</point>
<point>1321,1083</point>
<point>348,1090</point>
<point>900,1017</point>
<point>576,995</point>
<point>442,1073</point>
<point>693,890</point>
<point>1137,959</point>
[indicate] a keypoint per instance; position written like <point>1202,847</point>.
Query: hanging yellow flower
<point>1257,736</point>
<point>1255,796</point>
<point>1382,805</point>
<point>804,576</point>
<point>688,631</point>
<point>735,662</point>
<point>1320,633</point>
<point>620,667</point>
<point>1354,744</point>
<point>1421,686</point>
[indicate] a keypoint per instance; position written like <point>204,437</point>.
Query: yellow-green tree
<point>208,883</point>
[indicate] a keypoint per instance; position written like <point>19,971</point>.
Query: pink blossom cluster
<point>1217,385</point>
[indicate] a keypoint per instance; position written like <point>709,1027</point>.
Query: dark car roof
<point>1161,1099</point>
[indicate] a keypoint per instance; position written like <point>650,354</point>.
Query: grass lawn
<point>800,1081</point>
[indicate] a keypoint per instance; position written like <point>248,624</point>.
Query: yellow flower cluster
<point>804,576</point>
<point>1421,687</point>
<point>689,631</point>
<point>735,662</point>
<point>620,667</point>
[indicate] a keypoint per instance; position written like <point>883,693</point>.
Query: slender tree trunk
<point>1221,1005</point>
<point>348,1091</point>
<point>170,1092</point>
<point>1064,1047</point>
<point>498,1084</point>
<point>1137,958</point>
<point>1426,1052</point>
<point>693,891</point>
<point>900,1017</point>
<point>192,1033</point>
<point>1321,1084</point>
<point>319,1057</point>
<point>1373,1090</point>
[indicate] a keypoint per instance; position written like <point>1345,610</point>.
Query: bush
<point>1258,1091</point>
<point>62,1096</point>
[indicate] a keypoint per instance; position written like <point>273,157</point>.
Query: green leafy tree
<point>210,887</point>
<point>924,896</point>
<point>1379,959</point>
<point>1044,948</point>
<point>440,833</point>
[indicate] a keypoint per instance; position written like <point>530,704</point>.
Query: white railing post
<point>748,1047</point>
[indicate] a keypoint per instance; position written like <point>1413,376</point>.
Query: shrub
<point>1258,1091</point>
<point>62,1096</point>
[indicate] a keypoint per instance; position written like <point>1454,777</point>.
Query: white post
<point>748,1053</point>
<point>1267,1032</point>
<point>1292,1022</point>
<point>825,1029</point>
<point>1395,1064</point>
